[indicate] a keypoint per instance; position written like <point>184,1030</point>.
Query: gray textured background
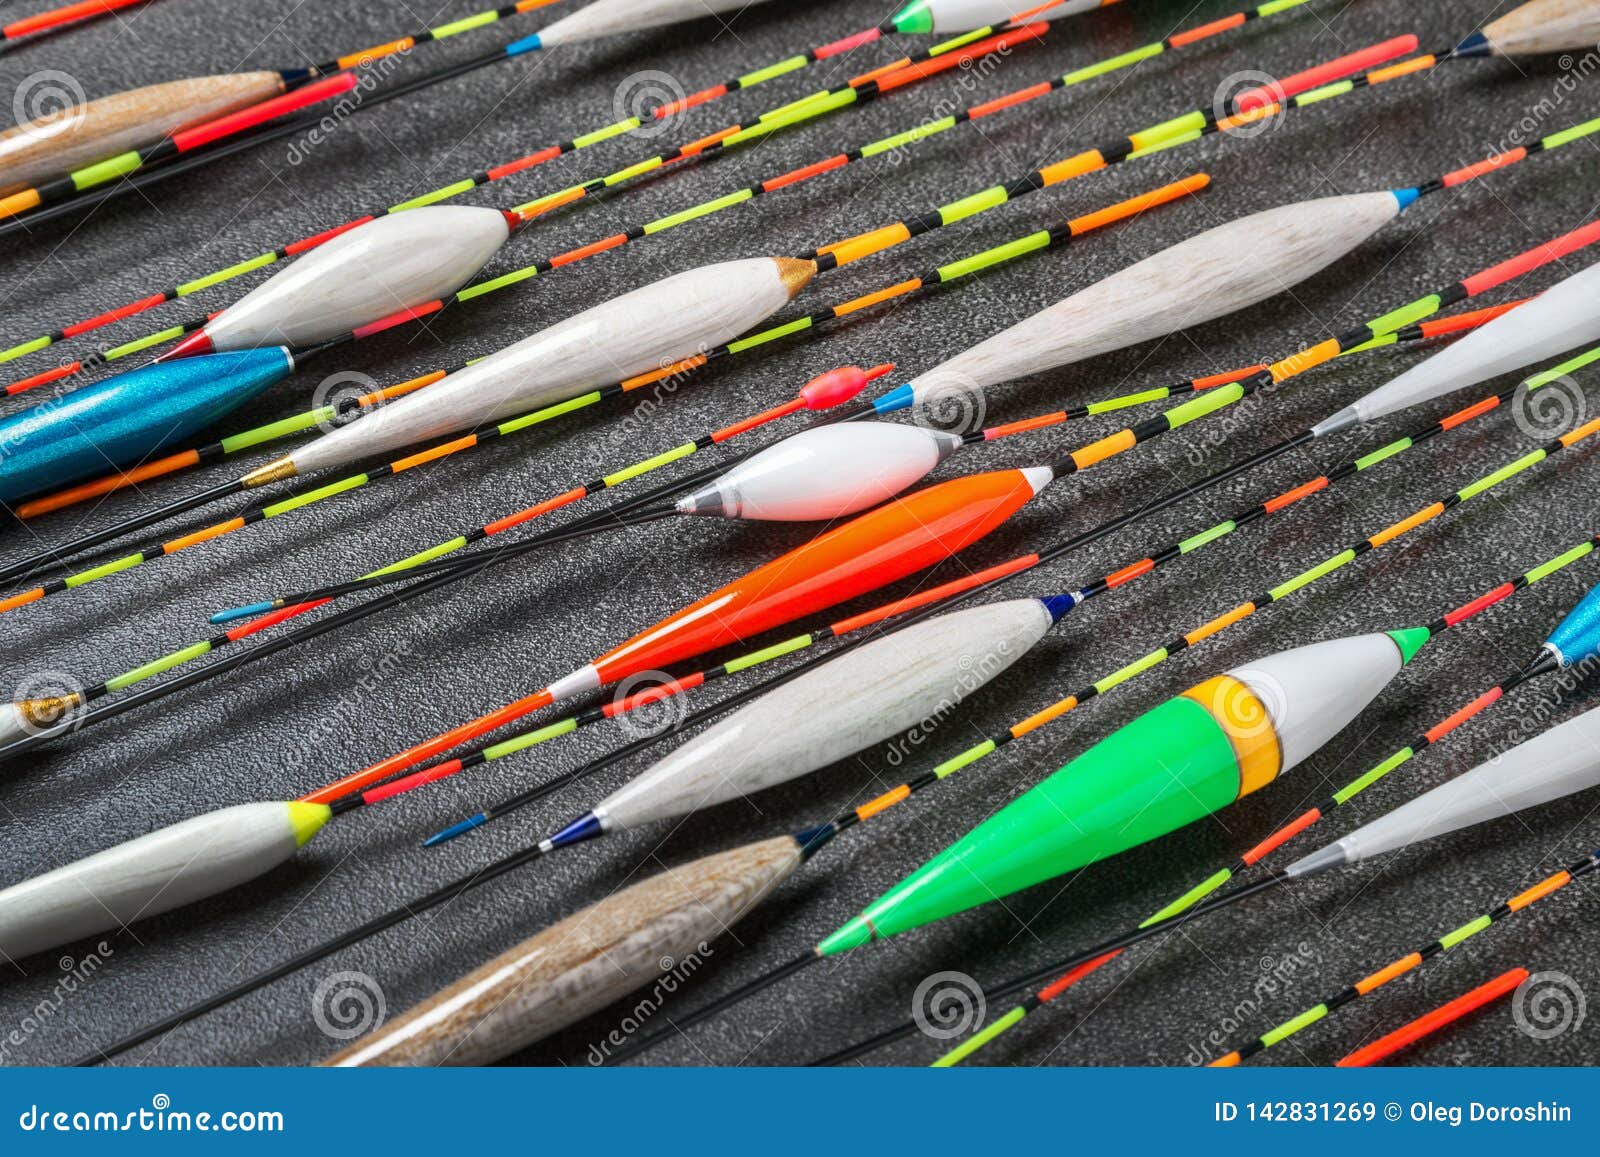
<point>274,732</point>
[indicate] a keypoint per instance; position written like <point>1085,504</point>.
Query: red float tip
<point>199,342</point>
<point>840,385</point>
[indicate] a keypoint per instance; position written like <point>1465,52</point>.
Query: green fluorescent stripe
<point>964,39</point>
<point>1128,400</point>
<point>511,426</point>
<point>441,194</point>
<point>767,654</point>
<point>909,137</point>
<point>796,326</point>
<point>1273,7</point>
<point>605,134</point>
<point>1555,564</point>
<point>228,274</point>
<point>1567,136</point>
<point>1207,403</point>
<point>1451,939</point>
<point>1383,452</point>
<point>975,1042</point>
<point>650,464</point>
<point>538,735</point>
<point>1289,1027</point>
<point>25,348</point>
<point>500,282</point>
<point>705,208</point>
<point>956,762</point>
<point>107,170</point>
<point>420,557</point>
<point>1201,890</point>
<point>274,430</point>
<point>1079,75</point>
<point>1132,669</point>
<point>1195,542</point>
<point>772,71</point>
<point>144,343</point>
<point>317,495</point>
<point>1572,365</point>
<point>1326,92</point>
<point>1189,122</point>
<point>1164,144</point>
<point>465,24</point>
<point>632,171</point>
<point>972,205</point>
<point>1387,339</point>
<point>1350,790</point>
<point>156,666</point>
<point>1490,481</point>
<point>1312,575</point>
<point>104,569</point>
<point>1406,314</point>
<point>978,262</point>
<point>807,110</point>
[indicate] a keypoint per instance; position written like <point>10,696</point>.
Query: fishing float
<point>578,343</point>
<point>49,160</point>
<point>920,529</point>
<point>597,20</point>
<point>1309,703</point>
<point>1363,215</point>
<point>59,19</point>
<point>342,795</point>
<point>744,731</point>
<point>1561,762</point>
<point>491,173</point>
<point>1575,640</point>
<point>1442,1017</point>
<point>313,302</point>
<point>424,237</point>
<point>896,677</point>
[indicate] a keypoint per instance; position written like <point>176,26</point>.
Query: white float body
<point>613,17</point>
<point>951,16</point>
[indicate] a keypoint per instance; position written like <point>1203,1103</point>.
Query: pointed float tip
<point>199,342</point>
<point>1406,197</point>
<point>915,19</point>
<point>237,613</point>
<point>526,44</point>
<point>1059,605</point>
<point>585,827</point>
<point>1548,660</point>
<point>1410,640</point>
<point>307,819</point>
<point>1475,45</point>
<point>896,399</point>
<point>455,830</point>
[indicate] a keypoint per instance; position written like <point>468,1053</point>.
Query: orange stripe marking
<point>172,546</point>
<point>1180,39</point>
<point>435,453</point>
<point>1221,622</point>
<point>1282,836</point>
<point>1405,525</point>
<point>1384,975</point>
<point>883,803</point>
<point>1539,891</point>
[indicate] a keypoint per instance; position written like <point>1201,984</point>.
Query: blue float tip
<point>455,830</point>
<point>1576,638</point>
<point>1406,197</point>
<point>896,399</point>
<point>1059,605</point>
<point>585,827</point>
<point>1475,45</point>
<point>243,612</point>
<point>526,44</point>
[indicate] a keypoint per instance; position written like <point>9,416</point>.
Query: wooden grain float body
<point>581,964</point>
<point>166,869</point>
<point>1182,760</point>
<point>1195,281</point>
<point>1537,27</point>
<point>857,699</point>
<point>52,147</point>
